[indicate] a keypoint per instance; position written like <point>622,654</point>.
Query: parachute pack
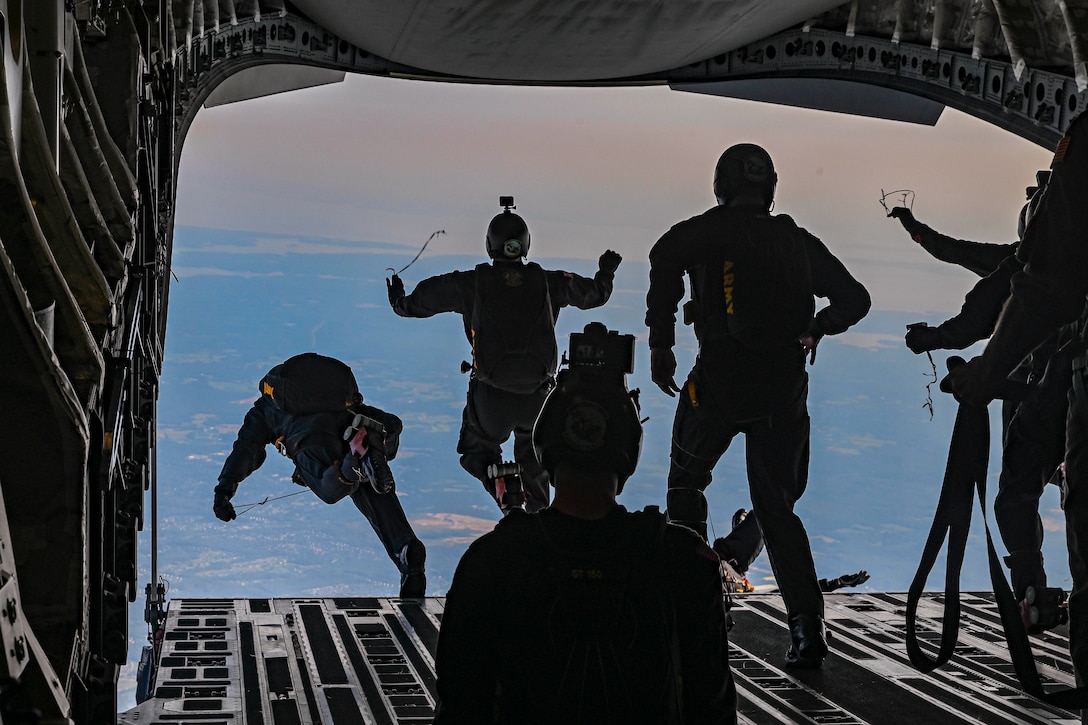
<point>610,612</point>
<point>763,289</point>
<point>310,383</point>
<point>513,330</point>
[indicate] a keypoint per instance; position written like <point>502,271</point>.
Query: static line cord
<point>929,386</point>
<point>420,252</point>
<point>903,197</point>
<point>247,507</point>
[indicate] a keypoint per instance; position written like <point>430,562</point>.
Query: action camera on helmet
<point>507,234</point>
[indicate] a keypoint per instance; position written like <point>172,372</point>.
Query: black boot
<point>809,646</point>
<point>382,480</point>
<point>413,577</point>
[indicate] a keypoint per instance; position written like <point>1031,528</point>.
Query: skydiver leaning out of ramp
<point>310,409</point>
<point>1033,440</point>
<point>753,278</point>
<point>1049,292</point>
<point>509,309</point>
<point>634,602</point>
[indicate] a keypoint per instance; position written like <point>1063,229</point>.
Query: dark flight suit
<point>315,444</point>
<point>1048,293</point>
<point>493,667</point>
<point>1033,430</point>
<point>733,389</point>
<point>492,414</point>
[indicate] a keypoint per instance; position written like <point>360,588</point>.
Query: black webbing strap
<point>967,461</point>
<point>965,476</point>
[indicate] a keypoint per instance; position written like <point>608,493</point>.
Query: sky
<point>390,160</point>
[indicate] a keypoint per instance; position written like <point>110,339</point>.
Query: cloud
<point>174,435</point>
<point>298,245</point>
<point>858,443</point>
<point>870,340</point>
<point>431,423</point>
<point>1053,523</point>
<point>214,564</point>
<point>185,272</point>
<point>439,523</point>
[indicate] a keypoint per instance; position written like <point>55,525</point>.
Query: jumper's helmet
<point>591,417</point>
<point>745,168</point>
<point>507,234</point>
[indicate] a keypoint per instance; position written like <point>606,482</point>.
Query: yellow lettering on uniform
<point>727,282</point>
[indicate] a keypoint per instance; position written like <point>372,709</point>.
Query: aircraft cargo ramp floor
<point>351,661</point>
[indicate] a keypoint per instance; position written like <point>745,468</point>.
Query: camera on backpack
<point>597,346</point>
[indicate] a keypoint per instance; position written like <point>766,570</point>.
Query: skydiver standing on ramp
<point>509,308</point>
<point>1049,292</point>
<point>1033,430</point>
<point>753,281</point>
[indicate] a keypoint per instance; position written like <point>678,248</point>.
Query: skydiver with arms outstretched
<point>509,308</point>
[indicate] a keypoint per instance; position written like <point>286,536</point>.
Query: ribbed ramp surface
<point>369,660</point>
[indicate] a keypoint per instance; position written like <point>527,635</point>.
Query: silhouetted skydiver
<point>509,308</point>
<point>1047,294</point>
<point>1033,430</point>
<point>753,280</point>
<point>310,409</point>
<point>585,612</point>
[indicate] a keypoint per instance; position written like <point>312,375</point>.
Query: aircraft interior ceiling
<point>570,40</point>
<point>96,97</point>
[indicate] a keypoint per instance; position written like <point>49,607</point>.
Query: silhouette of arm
<point>982,258</point>
<point>1050,290</point>
<point>248,454</point>
<point>450,292</point>
<point>848,299</point>
<point>667,266</point>
<point>981,307</point>
<point>570,289</point>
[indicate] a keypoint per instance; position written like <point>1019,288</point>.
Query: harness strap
<point>965,476</point>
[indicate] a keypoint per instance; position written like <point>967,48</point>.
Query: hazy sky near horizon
<point>385,160</point>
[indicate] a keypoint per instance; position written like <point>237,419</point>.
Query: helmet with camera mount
<point>591,418</point>
<point>507,236</point>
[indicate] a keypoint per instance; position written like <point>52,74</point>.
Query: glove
<point>846,580</point>
<point>906,218</point>
<point>609,262</point>
<point>223,508</point>
<point>809,341</point>
<point>663,370</point>
<point>921,338</point>
<point>968,382</point>
<point>853,580</point>
<point>395,288</point>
